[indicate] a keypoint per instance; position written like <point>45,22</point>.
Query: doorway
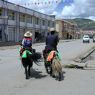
<point>0,34</point>
<point>37,36</point>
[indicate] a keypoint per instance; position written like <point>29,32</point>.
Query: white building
<point>15,20</point>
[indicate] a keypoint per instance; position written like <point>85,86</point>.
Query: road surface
<point>76,82</point>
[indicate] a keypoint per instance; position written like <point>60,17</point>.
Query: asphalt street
<point>75,82</point>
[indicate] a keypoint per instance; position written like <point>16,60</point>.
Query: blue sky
<point>62,4</point>
<point>63,8</point>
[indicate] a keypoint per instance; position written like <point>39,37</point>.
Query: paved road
<point>76,82</point>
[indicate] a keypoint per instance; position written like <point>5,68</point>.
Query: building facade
<point>91,33</point>
<point>15,20</point>
<point>67,30</point>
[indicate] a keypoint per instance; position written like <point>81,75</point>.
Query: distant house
<point>67,30</point>
<point>89,32</point>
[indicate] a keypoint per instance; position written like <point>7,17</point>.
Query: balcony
<point>1,3</point>
<point>23,24</point>
<point>29,25</point>
<point>37,26</point>
<point>1,21</point>
<point>43,27</point>
<point>48,18</point>
<point>12,22</point>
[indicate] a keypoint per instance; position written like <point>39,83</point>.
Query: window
<point>11,15</point>
<point>29,19</point>
<point>0,33</point>
<point>53,24</point>
<point>0,12</point>
<point>48,23</point>
<point>11,34</point>
<point>43,22</point>
<point>22,17</point>
<point>36,20</point>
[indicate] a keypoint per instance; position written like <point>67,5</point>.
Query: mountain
<point>84,24</point>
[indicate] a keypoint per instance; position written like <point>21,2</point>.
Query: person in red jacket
<point>26,42</point>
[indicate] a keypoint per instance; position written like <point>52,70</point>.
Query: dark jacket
<point>52,41</point>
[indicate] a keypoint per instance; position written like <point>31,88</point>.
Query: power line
<point>49,2</point>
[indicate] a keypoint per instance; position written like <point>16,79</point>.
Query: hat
<point>52,29</point>
<point>28,34</point>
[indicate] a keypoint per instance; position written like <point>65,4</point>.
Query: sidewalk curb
<point>78,60</point>
<point>61,41</point>
<point>34,44</point>
<point>85,55</point>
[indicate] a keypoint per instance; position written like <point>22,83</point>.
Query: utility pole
<point>5,23</point>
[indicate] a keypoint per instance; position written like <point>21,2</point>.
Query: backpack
<point>27,42</point>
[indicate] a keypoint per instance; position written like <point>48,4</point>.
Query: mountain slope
<point>85,24</point>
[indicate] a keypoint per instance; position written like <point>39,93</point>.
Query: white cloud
<point>48,6</point>
<point>54,13</point>
<point>44,6</point>
<point>80,8</point>
<point>91,17</point>
<point>42,10</point>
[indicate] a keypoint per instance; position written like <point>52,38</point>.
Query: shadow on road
<point>37,74</point>
<point>62,77</point>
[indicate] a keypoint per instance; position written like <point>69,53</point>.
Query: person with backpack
<point>26,42</point>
